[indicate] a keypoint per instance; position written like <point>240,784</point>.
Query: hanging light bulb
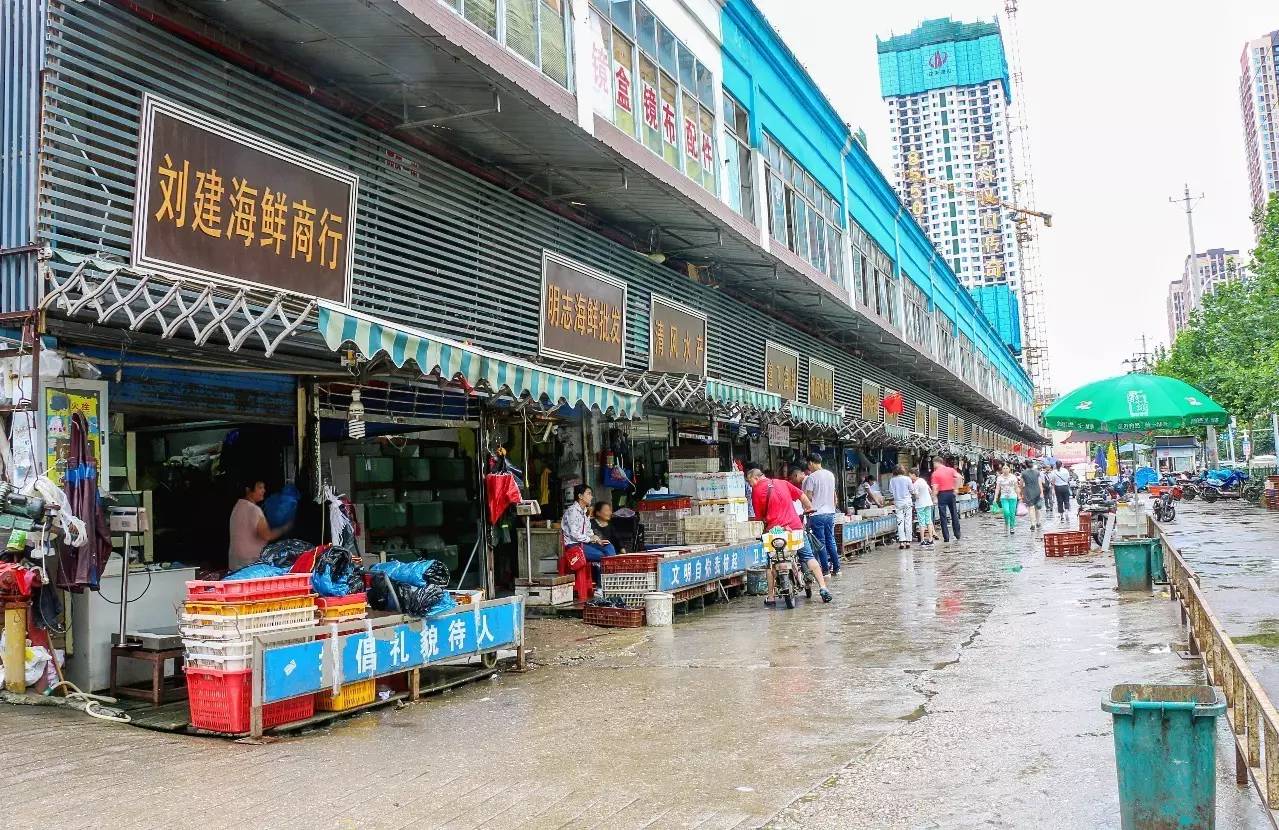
<point>355,416</point>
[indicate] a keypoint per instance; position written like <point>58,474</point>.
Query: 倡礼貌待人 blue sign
<point>302,668</point>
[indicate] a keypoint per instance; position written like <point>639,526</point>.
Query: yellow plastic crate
<point>359,693</point>
<point>239,609</point>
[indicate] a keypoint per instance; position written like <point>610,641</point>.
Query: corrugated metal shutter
<point>435,247</point>
<point>21,47</point>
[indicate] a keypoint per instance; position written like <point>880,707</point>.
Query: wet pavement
<point>1234,548</point>
<point>954,687</point>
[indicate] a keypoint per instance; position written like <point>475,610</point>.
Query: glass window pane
<point>483,13</point>
<point>687,69</point>
<point>554,48</point>
<point>650,106</point>
<point>666,47</point>
<point>746,176</point>
<point>705,85</point>
<point>647,26</point>
<point>732,173</point>
<point>670,121</point>
<point>690,140</point>
<point>777,204</point>
<point>623,16</point>
<point>521,36</point>
<point>707,137</point>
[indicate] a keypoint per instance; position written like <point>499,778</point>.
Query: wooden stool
<point>159,692</point>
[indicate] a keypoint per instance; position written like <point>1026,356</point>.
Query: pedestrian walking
<point>1060,478</point>
<point>1006,497</point>
<point>923,497</point>
<point>1032,493</point>
<point>945,481</point>
<point>772,500</point>
<point>820,487</point>
<point>903,500</point>
<point>1046,492</point>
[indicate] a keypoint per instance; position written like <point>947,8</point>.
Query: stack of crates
<point>661,519</point>
<point>218,624</point>
<point>721,498</point>
<point>362,692</point>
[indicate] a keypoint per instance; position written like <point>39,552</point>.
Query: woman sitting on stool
<point>582,547</point>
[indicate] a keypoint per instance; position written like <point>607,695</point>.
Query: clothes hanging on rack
<point>81,567</point>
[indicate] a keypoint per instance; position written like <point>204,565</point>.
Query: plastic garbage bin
<point>1132,564</point>
<point>1165,754</point>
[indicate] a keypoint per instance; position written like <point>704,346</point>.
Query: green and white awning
<point>802,413</point>
<point>493,372</point>
<point>732,394</point>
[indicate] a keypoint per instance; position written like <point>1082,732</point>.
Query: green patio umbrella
<point>1135,402</point>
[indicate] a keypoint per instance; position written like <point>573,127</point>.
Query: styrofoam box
<point>556,591</point>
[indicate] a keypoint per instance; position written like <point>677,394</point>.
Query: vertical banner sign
<point>934,417</point>
<point>821,384</point>
<point>921,418</point>
<point>871,402</point>
<point>622,82</point>
<point>692,145</point>
<point>601,83</point>
<point>676,338</point>
<point>583,313</point>
<point>781,371</point>
<point>217,202</point>
<point>649,105</point>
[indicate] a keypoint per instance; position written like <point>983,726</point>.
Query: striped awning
<point>493,372</point>
<point>732,394</point>
<point>802,413</point>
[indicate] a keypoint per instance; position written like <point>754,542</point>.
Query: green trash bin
<point>1165,754</point>
<point>1132,564</point>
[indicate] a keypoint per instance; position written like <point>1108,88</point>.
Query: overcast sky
<point>1127,100</point>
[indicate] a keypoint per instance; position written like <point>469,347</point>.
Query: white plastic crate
<point>228,655</point>
<point>614,584</point>
<point>714,521</point>
<point>693,465</point>
<point>218,627</point>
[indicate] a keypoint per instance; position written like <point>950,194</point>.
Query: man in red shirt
<point>945,482</point>
<point>774,503</point>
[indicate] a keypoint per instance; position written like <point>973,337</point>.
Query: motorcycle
<point>788,575</point>
<point>1165,511</point>
<point>1218,484</point>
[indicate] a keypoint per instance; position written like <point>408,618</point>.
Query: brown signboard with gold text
<point>583,312</point>
<point>781,371</point>
<point>216,201</point>
<point>821,384</point>
<point>676,338</point>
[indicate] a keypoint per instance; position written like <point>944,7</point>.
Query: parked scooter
<point>788,575</point>
<point>1165,511</point>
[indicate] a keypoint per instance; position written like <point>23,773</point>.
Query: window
<point>660,93</point>
<point>536,30</point>
<point>802,214</point>
<point>916,312</point>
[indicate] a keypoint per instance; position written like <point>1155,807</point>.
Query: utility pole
<point>1192,274</point>
<point>1140,361</point>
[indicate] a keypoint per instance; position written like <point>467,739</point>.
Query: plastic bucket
<point>1132,564</point>
<point>659,608</point>
<point>1165,754</point>
<point>757,581</point>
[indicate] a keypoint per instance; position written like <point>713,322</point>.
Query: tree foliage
<point>1231,347</point>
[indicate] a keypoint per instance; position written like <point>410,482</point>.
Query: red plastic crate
<point>219,702</point>
<point>630,563</point>
<point>331,602</point>
<point>1067,543</point>
<point>675,503</point>
<point>612,617</point>
<point>247,590</point>
<point>1085,523</point>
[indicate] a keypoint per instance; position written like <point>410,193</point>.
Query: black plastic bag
<point>284,553</point>
<point>417,599</point>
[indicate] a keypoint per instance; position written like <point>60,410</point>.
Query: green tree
<point>1231,347</point>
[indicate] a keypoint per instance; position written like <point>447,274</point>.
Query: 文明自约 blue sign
<point>682,572</point>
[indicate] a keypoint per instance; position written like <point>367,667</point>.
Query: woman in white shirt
<point>1006,496</point>
<point>899,486</point>
<point>923,496</point>
<point>1060,480</point>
